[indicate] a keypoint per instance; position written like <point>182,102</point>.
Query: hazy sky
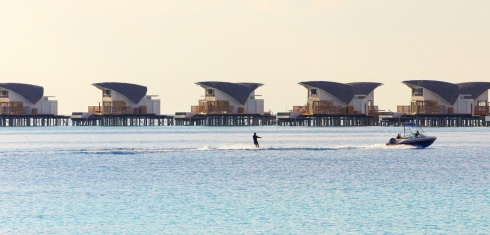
<point>67,45</point>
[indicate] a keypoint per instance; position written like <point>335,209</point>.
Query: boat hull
<point>422,142</point>
<point>413,135</point>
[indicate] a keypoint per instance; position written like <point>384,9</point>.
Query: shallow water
<point>211,180</point>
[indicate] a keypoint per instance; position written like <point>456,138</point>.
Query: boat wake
<point>235,148</point>
<point>129,151</point>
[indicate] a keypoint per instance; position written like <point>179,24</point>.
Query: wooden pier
<point>124,120</point>
<point>424,120</point>
<point>438,120</point>
<point>329,120</point>
<point>15,120</point>
<point>227,120</point>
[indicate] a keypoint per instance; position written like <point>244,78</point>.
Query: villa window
<point>106,93</point>
<point>482,103</point>
<point>209,93</point>
<point>4,94</point>
<point>417,92</point>
<point>313,93</point>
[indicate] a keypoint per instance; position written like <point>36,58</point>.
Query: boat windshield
<point>411,130</point>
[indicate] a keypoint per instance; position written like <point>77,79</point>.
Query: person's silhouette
<point>256,142</point>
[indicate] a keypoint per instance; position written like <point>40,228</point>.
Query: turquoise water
<point>211,180</point>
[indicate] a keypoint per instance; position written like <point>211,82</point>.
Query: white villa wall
<point>46,106</point>
<point>322,95</point>
<point>369,97</point>
<point>467,106</point>
<point>429,95</point>
<point>116,96</point>
<point>14,97</point>
<point>254,106</point>
<point>152,105</point>
<point>463,106</point>
<point>325,96</point>
<point>357,104</point>
<point>483,96</point>
<point>251,106</point>
<point>219,95</point>
<point>361,105</point>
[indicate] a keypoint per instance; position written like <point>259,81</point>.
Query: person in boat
<point>398,136</point>
<point>256,142</point>
<point>417,134</point>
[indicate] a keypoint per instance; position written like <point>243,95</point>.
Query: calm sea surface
<point>211,180</point>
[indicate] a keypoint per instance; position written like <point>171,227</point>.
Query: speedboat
<point>418,138</point>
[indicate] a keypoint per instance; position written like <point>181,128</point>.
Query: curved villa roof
<point>475,89</point>
<point>132,91</point>
<point>364,88</point>
<point>31,93</point>
<point>238,91</point>
<point>343,92</point>
<point>447,91</point>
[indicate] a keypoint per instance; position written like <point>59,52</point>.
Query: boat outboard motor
<point>392,141</point>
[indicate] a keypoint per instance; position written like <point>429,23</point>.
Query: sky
<point>169,45</point>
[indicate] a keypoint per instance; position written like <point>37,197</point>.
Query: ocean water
<point>211,180</point>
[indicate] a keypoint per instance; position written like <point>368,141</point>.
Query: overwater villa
<point>18,98</point>
<point>443,104</point>
<point>122,104</point>
<point>436,97</point>
<point>25,105</point>
<point>333,100</point>
<point>338,98</point>
<point>226,103</point>
<point>226,97</point>
<point>125,98</point>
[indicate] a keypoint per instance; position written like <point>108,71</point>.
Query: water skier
<point>256,142</point>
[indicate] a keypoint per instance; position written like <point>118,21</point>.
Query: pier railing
<point>212,109</point>
<point>95,110</point>
<point>195,109</point>
<point>300,109</point>
<point>406,109</point>
<point>116,110</point>
<point>330,109</point>
<point>16,110</point>
<point>482,110</point>
<point>327,110</point>
<point>373,111</point>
